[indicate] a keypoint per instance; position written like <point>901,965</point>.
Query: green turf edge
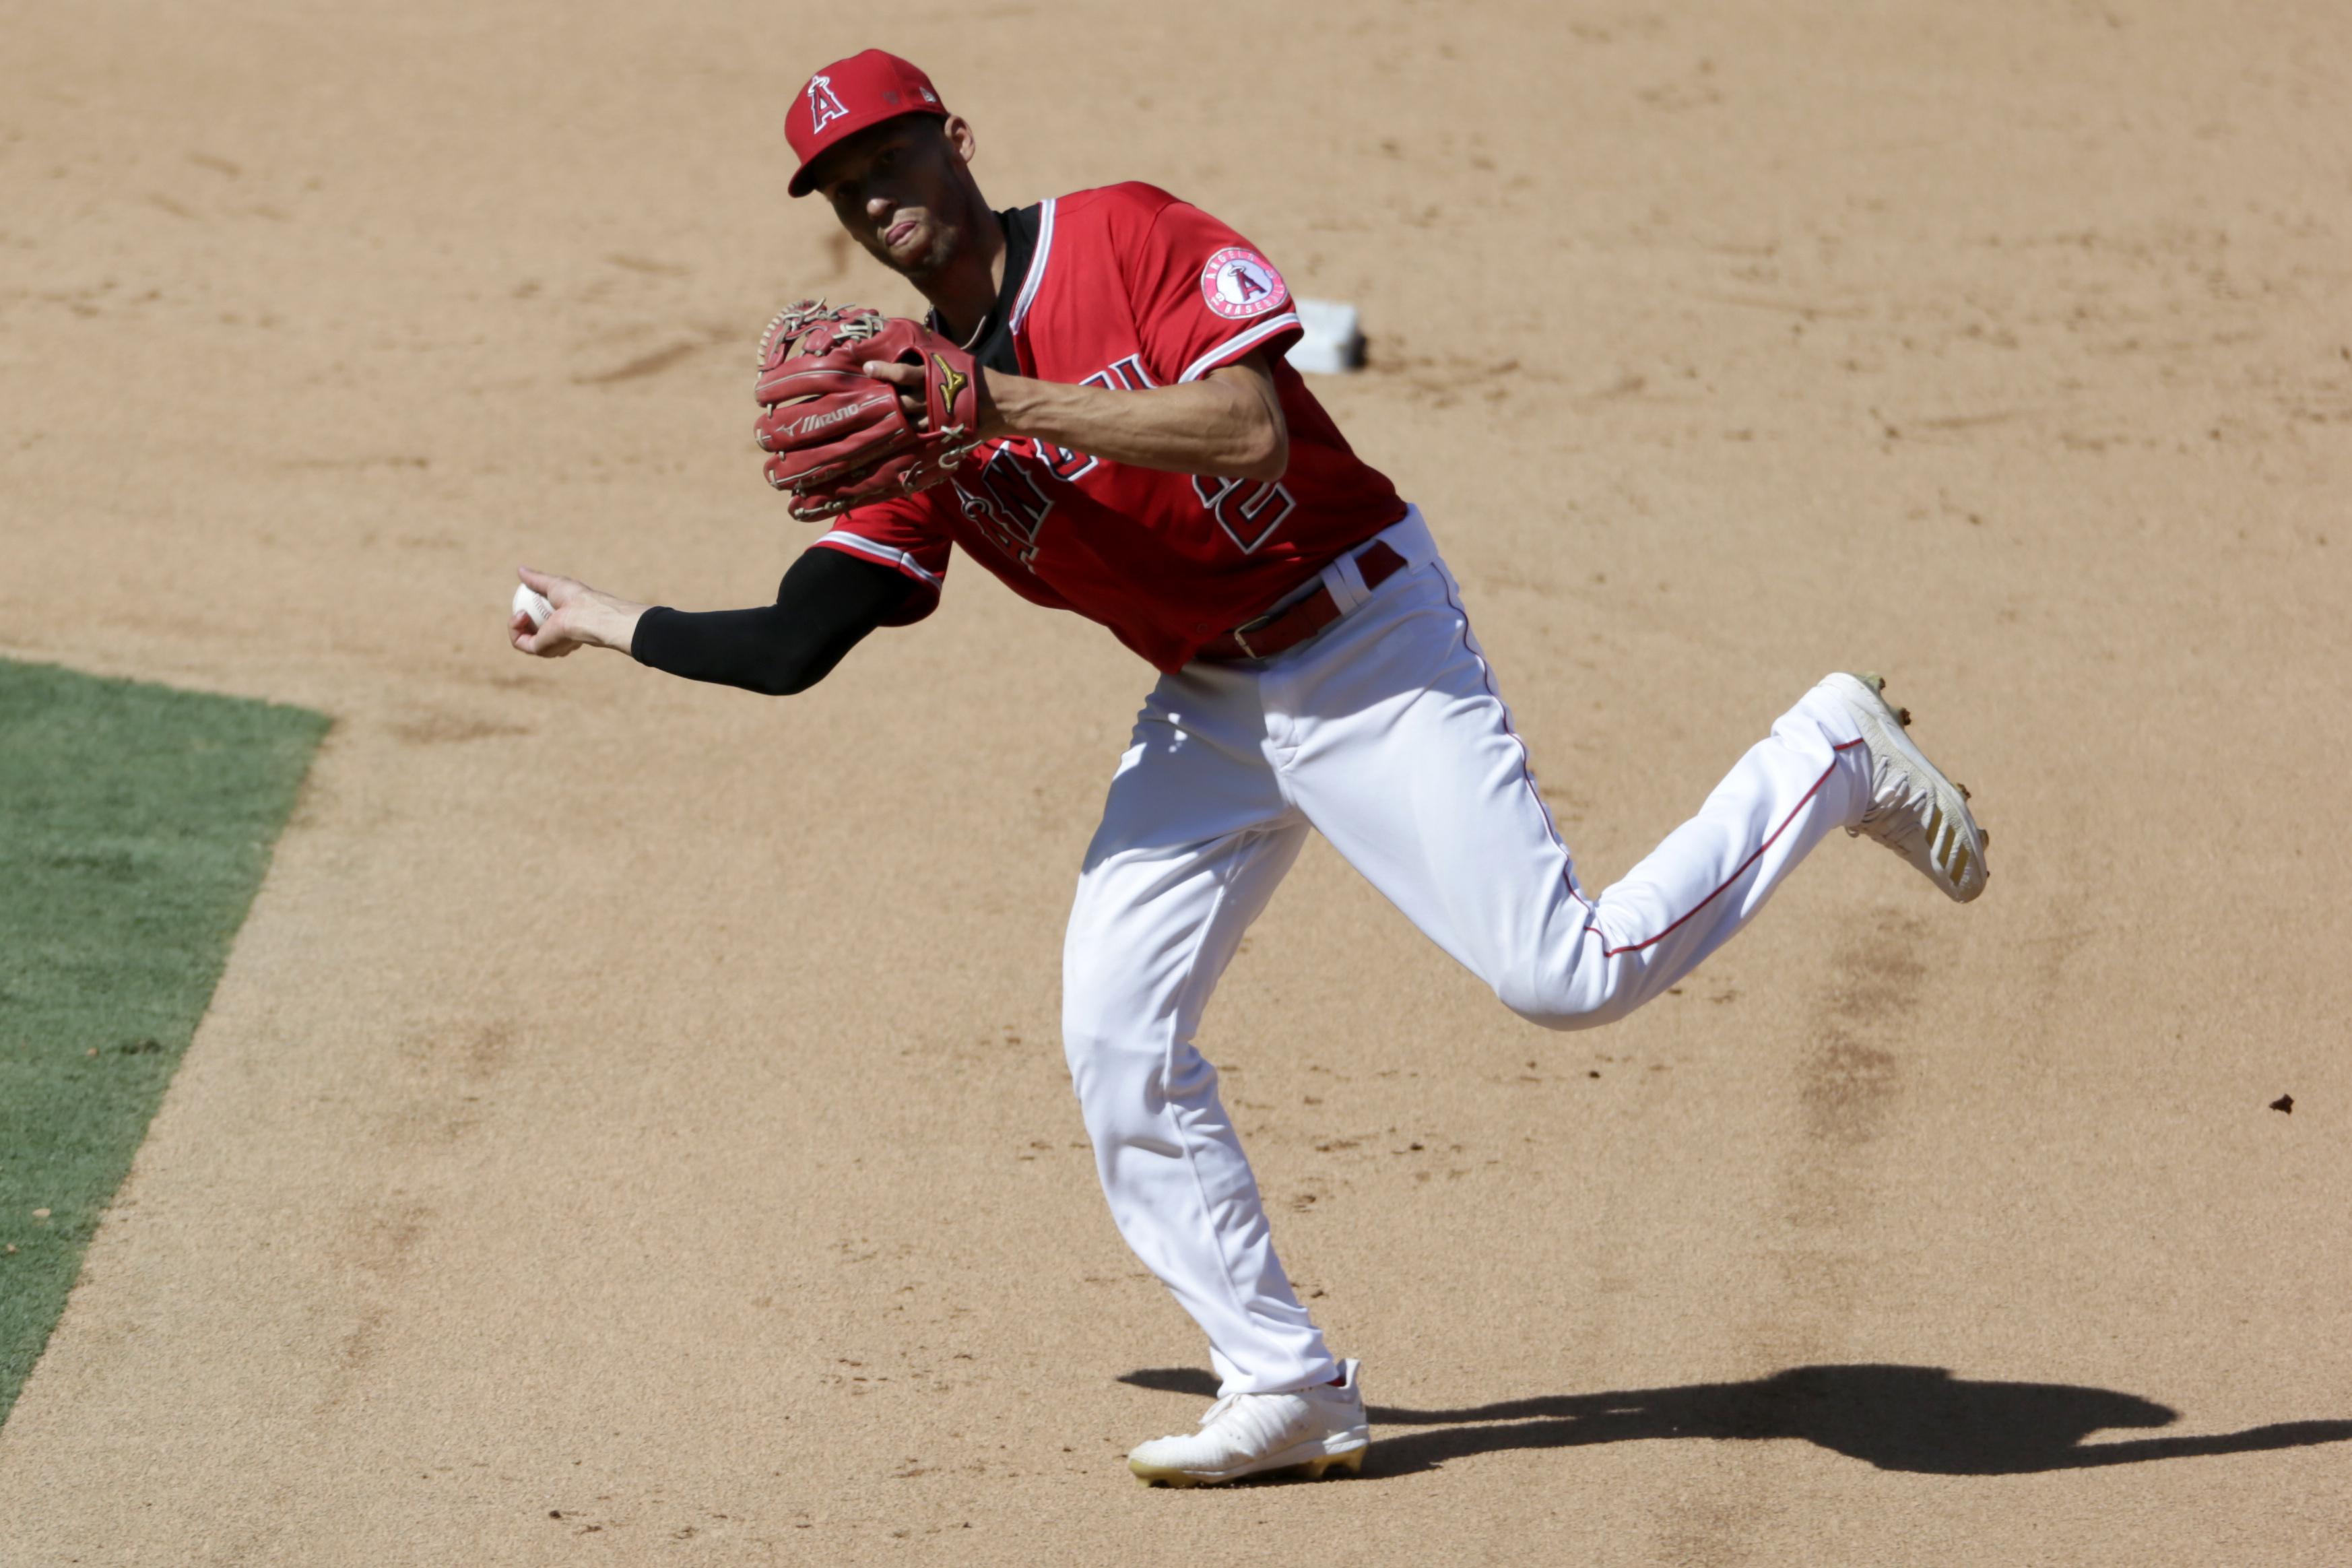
<point>136,823</point>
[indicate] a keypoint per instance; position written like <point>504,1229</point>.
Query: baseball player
<point>1097,411</point>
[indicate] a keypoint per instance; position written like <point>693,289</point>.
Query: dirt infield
<point>632,1127</point>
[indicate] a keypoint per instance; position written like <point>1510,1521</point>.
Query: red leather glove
<point>841,438</point>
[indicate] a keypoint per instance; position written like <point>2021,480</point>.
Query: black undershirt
<point>829,600</point>
<point>994,347</point>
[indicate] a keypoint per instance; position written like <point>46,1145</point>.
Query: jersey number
<point>1248,510</point>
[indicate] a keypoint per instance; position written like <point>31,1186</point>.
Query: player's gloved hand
<point>842,437</point>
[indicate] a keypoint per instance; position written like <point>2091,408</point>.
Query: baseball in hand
<point>529,602</point>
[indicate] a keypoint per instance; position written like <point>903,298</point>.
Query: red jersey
<point>1128,287</point>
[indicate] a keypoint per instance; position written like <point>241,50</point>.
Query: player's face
<point>902,190</point>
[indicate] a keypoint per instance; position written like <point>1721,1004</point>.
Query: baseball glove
<point>841,438</point>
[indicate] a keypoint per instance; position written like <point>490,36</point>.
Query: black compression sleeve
<point>827,601</point>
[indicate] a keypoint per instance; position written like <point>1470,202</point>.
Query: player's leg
<point>1195,836</point>
<point>1402,753</point>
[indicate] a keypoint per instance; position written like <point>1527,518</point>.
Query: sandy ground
<point>632,1127</point>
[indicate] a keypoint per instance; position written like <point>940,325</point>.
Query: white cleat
<point>1914,809</point>
<point>1312,1429</point>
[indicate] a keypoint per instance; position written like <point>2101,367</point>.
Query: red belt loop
<point>1287,629</point>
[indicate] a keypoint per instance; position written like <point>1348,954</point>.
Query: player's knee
<point>1551,1004</point>
<point>1083,1044</point>
<point>1120,1085</point>
<point>1097,1038</point>
<point>1562,1019</point>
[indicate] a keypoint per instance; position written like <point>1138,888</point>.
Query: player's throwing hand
<point>583,617</point>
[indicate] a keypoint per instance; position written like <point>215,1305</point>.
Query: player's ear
<point>961,143</point>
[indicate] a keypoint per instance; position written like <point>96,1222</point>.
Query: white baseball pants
<point>1387,735</point>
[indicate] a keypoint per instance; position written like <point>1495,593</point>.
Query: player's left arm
<point>1227,424</point>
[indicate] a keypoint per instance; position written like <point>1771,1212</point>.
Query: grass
<point>136,825</point>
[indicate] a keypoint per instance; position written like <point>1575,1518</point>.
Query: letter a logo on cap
<point>846,97</point>
<point>824,106</point>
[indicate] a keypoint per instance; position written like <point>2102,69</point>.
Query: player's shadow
<point>1918,1418</point>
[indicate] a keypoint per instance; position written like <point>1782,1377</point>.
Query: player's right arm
<point>825,605</point>
<point>1227,424</point>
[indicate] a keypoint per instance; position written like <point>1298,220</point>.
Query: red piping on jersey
<point>1744,865</point>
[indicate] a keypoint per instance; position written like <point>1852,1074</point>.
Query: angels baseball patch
<point>1239,283</point>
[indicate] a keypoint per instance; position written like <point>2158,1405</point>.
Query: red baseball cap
<point>846,97</point>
